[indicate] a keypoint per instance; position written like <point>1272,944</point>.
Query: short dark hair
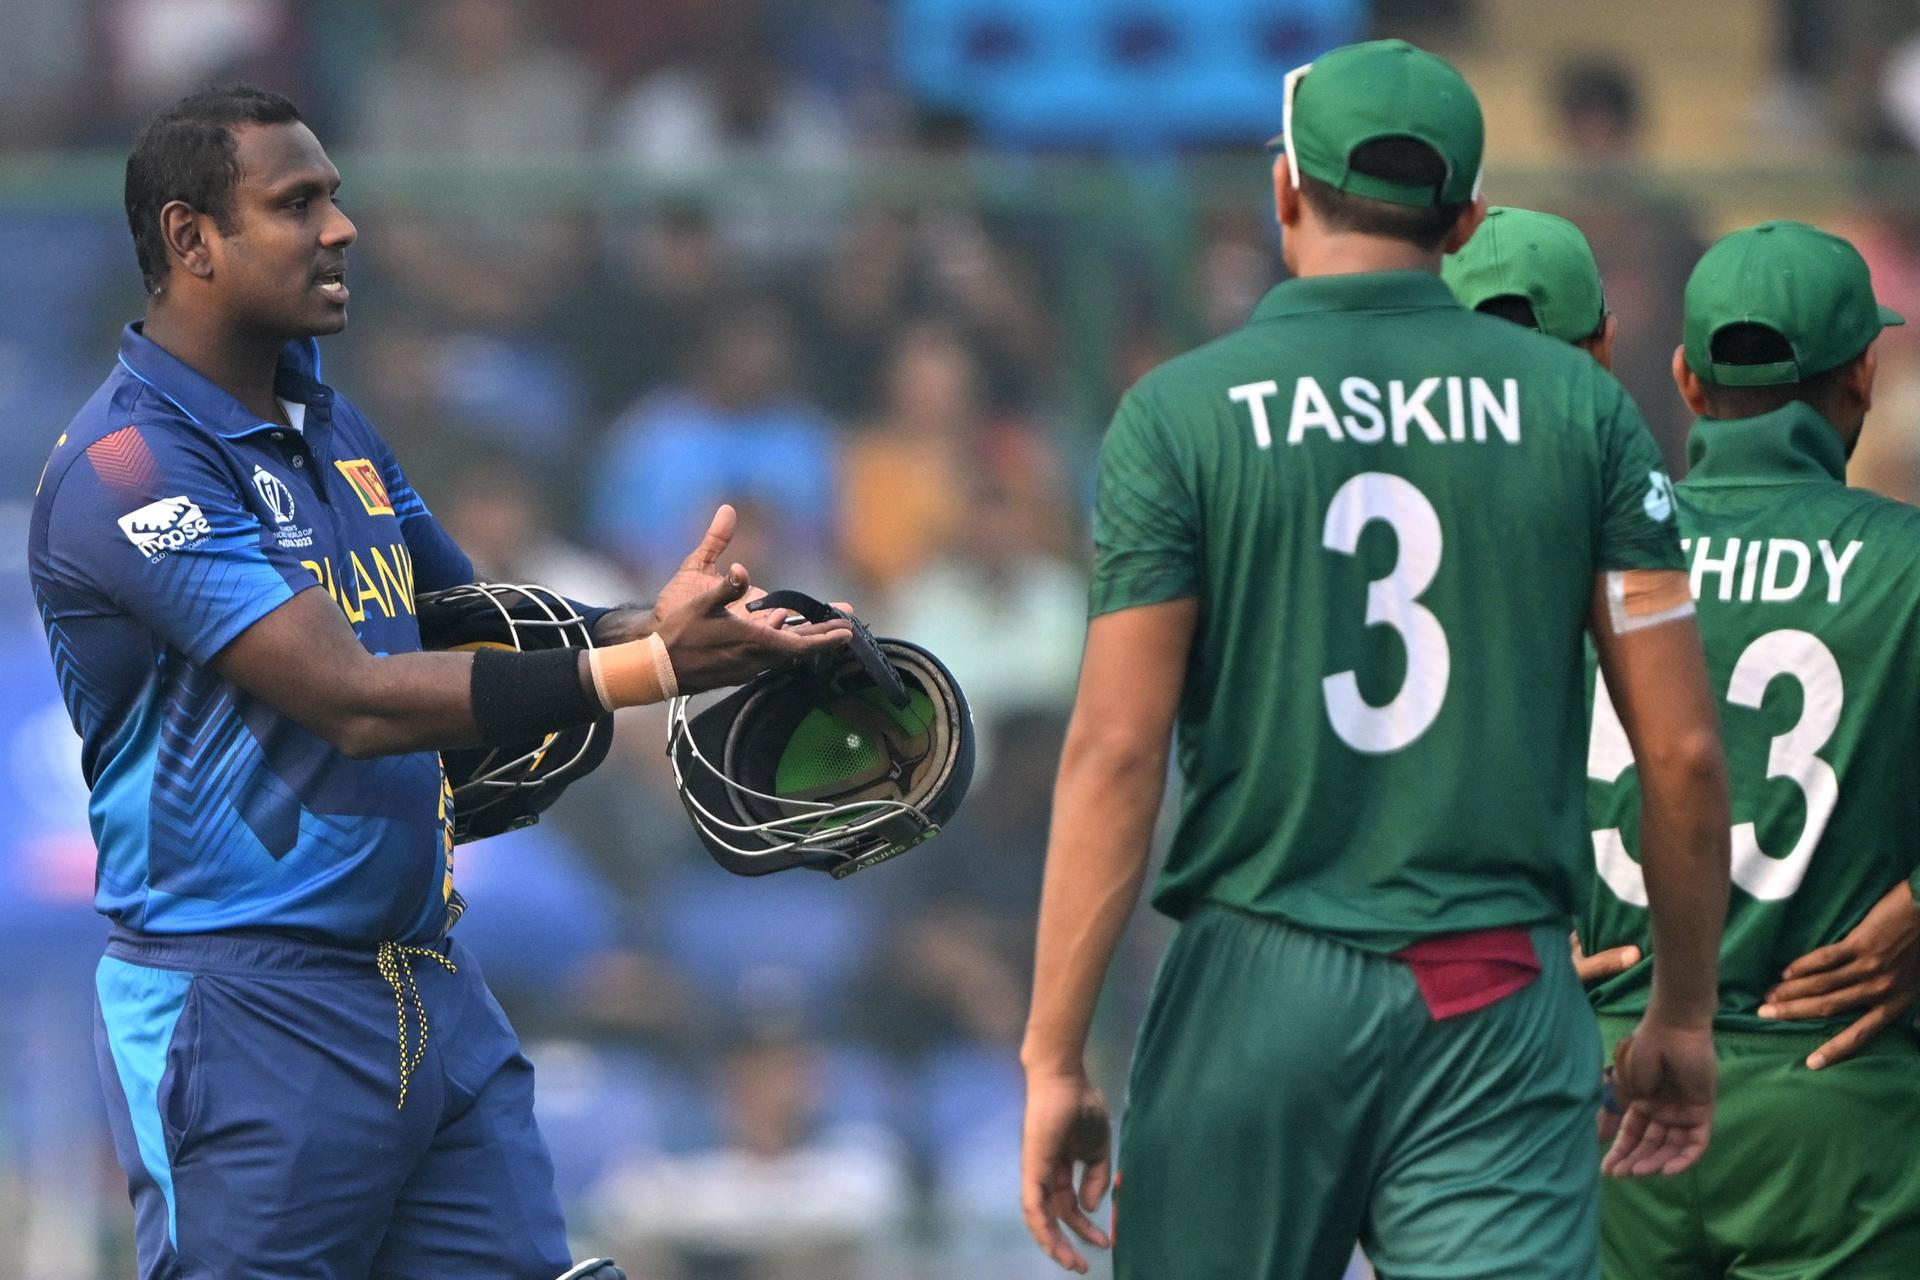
<point>1763,344</point>
<point>187,153</point>
<point>1404,160</point>
<point>1511,307</point>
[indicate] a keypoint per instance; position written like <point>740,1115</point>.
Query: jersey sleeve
<point>1638,529</point>
<point>438,561</point>
<point>157,530</point>
<point>1145,526</point>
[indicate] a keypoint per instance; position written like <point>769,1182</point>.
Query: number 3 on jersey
<point>1798,654</point>
<point>1391,601</point>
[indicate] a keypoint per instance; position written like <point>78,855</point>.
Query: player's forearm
<point>415,702</point>
<point>1105,802</point>
<point>1656,673</point>
<point>435,701</point>
<point>304,662</point>
<point>398,704</point>
<point>622,623</point>
<point>1684,843</point>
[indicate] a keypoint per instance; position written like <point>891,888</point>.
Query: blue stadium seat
<point>786,945</point>
<point>971,1099</point>
<point>599,1108</point>
<point>518,393</point>
<point>536,910</point>
<point>1122,73</point>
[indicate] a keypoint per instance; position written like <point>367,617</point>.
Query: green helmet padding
<point>851,743</point>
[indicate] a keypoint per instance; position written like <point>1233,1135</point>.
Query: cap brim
<point>1889,317</point>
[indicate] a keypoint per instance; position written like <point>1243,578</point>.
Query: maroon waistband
<point>1462,972</point>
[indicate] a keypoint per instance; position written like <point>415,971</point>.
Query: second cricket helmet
<point>835,765</point>
<point>498,789</point>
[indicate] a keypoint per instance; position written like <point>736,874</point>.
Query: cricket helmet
<point>835,764</point>
<point>498,789</point>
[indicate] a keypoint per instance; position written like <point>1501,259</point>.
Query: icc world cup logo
<point>274,492</point>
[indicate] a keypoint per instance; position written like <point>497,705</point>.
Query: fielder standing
<point>1350,551</point>
<point>1809,605</point>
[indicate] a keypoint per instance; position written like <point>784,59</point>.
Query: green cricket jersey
<point>1808,595</point>
<point>1391,510</point>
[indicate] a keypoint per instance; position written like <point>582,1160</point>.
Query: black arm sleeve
<point>517,696</point>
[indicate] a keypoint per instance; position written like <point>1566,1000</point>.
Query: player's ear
<point>1600,345</point>
<point>183,229</point>
<point>1856,390</point>
<point>1691,388</point>
<point>1860,375</point>
<point>1286,196</point>
<point>1465,225</point>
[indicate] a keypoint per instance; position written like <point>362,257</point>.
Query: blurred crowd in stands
<point>793,1078</point>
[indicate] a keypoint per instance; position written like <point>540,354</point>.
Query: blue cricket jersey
<point>169,520</point>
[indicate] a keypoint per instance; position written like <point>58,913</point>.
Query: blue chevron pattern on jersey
<point>168,521</point>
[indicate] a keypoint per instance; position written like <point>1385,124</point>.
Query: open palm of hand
<point>1665,1078</point>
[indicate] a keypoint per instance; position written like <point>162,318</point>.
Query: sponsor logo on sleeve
<point>167,525</point>
<point>368,486</point>
<point>1659,500</point>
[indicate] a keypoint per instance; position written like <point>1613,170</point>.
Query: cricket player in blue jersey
<point>305,1072</point>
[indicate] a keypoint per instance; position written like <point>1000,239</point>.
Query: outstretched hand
<point>701,571</point>
<point>712,647</point>
<point>1664,1080</point>
<point>1066,1125</point>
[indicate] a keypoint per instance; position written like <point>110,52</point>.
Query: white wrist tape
<point>663,667</point>
<point>1642,598</point>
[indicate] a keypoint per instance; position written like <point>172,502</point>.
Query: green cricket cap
<point>1536,256</point>
<point>1811,288</point>
<point>1381,89</point>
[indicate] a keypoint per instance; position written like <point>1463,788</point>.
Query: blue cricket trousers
<point>254,1087</point>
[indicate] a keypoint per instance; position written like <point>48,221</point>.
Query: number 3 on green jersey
<point>1793,755</point>
<point>1392,601</point>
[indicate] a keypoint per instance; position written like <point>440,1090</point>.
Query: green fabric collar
<point>1793,444</point>
<point>1364,291</point>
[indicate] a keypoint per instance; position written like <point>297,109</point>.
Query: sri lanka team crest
<point>367,485</point>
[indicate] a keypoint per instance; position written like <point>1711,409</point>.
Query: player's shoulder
<point>124,433</point>
<point>1548,368</point>
<point>1198,385</point>
<point>1168,382</point>
<point>1880,535</point>
<point>108,466</point>
<point>1265,357</point>
<point>1296,339</point>
<point>1888,521</point>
